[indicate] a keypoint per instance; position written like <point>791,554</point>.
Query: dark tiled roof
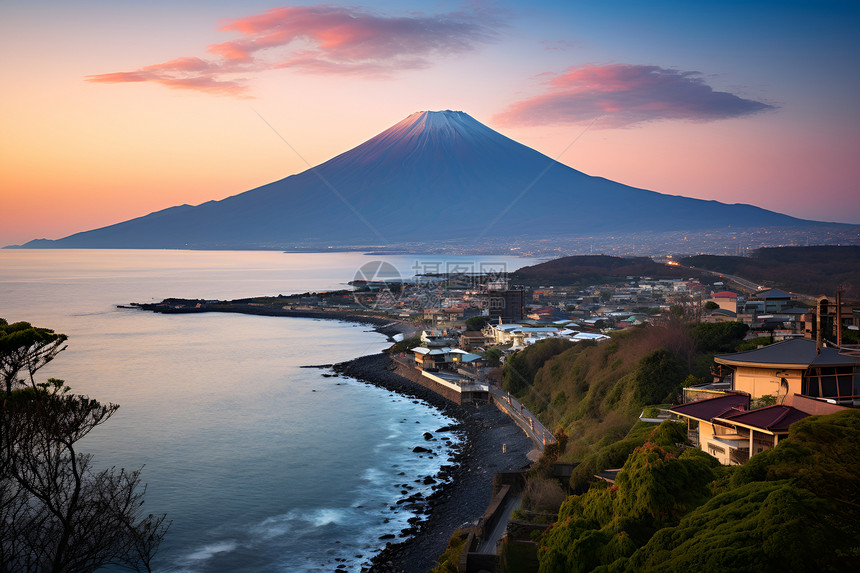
<point>724,312</point>
<point>794,352</point>
<point>720,406</point>
<point>775,419</point>
<point>771,293</point>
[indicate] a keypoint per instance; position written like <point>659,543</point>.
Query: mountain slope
<point>433,176</point>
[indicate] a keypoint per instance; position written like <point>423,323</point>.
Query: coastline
<point>386,326</point>
<point>463,487</point>
<point>462,500</point>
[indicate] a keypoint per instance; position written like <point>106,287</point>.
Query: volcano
<point>435,176</point>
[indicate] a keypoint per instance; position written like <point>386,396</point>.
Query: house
<point>441,358</point>
<point>727,429</point>
<point>795,366</point>
<point>430,358</point>
<point>770,300</point>
<point>701,430</point>
<point>472,339</point>
<point>726,300</point>
<point>436,338</point>
<point>505,304</point>
<point>720,315</point>
<point>830,313</point>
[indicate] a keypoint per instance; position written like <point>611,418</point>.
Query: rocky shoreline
<point>464,486</point>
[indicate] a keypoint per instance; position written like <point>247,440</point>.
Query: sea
<point>260,464</point>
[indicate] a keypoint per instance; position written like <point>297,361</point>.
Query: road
<point>740,281</point>
<point>489,544</point>
<point>527,421</point>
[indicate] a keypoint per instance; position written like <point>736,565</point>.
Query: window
<point>828,382</point>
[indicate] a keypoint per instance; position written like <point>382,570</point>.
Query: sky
<point>113,109</point>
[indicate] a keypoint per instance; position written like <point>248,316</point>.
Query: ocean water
<point>261,465</point>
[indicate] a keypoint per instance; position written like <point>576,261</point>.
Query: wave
<point>208,551</point>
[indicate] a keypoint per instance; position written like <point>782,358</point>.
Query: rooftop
<point>711,408</point>
<point>774,419</point>
<point>797,352</point>
<point>771,293</point>
<point>724,294</point>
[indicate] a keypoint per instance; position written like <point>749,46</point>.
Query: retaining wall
<point>415,375</point>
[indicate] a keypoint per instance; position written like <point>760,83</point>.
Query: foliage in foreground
<point>58,512</point>
<point>449,561</point>
<point>795,507</point>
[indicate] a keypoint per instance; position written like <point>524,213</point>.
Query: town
<point>760,360</point>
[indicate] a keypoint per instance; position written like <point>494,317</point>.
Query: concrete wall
<point>416,376</point>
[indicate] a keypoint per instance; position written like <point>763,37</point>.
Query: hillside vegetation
<point>597,391</point>
<point>795,507</point>
<point>583,270</point>
<point>808,270</point>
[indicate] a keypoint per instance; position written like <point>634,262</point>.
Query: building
<point>506,305</point>
<point>791,367</point>
<point>727,429</point>
<point>829,313</point>
<point>441,358</point>
<point>770,300</point>
<point>726,300</point>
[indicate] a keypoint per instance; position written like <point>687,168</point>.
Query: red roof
<point>774,419</point>
<point>711,408</point>
<point>724,294</point>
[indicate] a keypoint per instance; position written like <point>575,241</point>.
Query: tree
<point>493,356</point>
<point>24,347</point>
<point>476,322</point>
<point>720,336</point>
<point>711,305</point>
<point>58,513</point>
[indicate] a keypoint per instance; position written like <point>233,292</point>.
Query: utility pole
<point>838,325</point>
<point>818,327</point>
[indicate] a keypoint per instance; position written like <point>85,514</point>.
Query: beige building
<point>726,300</point>
<point>727,429</point>
<point>791,367</point>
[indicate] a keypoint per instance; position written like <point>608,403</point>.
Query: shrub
<point>449,561</point>
<point>543,495</point>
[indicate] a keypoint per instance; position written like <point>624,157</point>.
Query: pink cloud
<point>621,95</point>
<point>181,73</point>
<point>318,39</point>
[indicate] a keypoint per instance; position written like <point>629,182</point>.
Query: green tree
<point>720,336</point>
<point>476,322</point>
<point>493,356</point>
<point>762,526</point>
<point>521,367</point>
<point>654,489</point>
<point>711,305</point>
